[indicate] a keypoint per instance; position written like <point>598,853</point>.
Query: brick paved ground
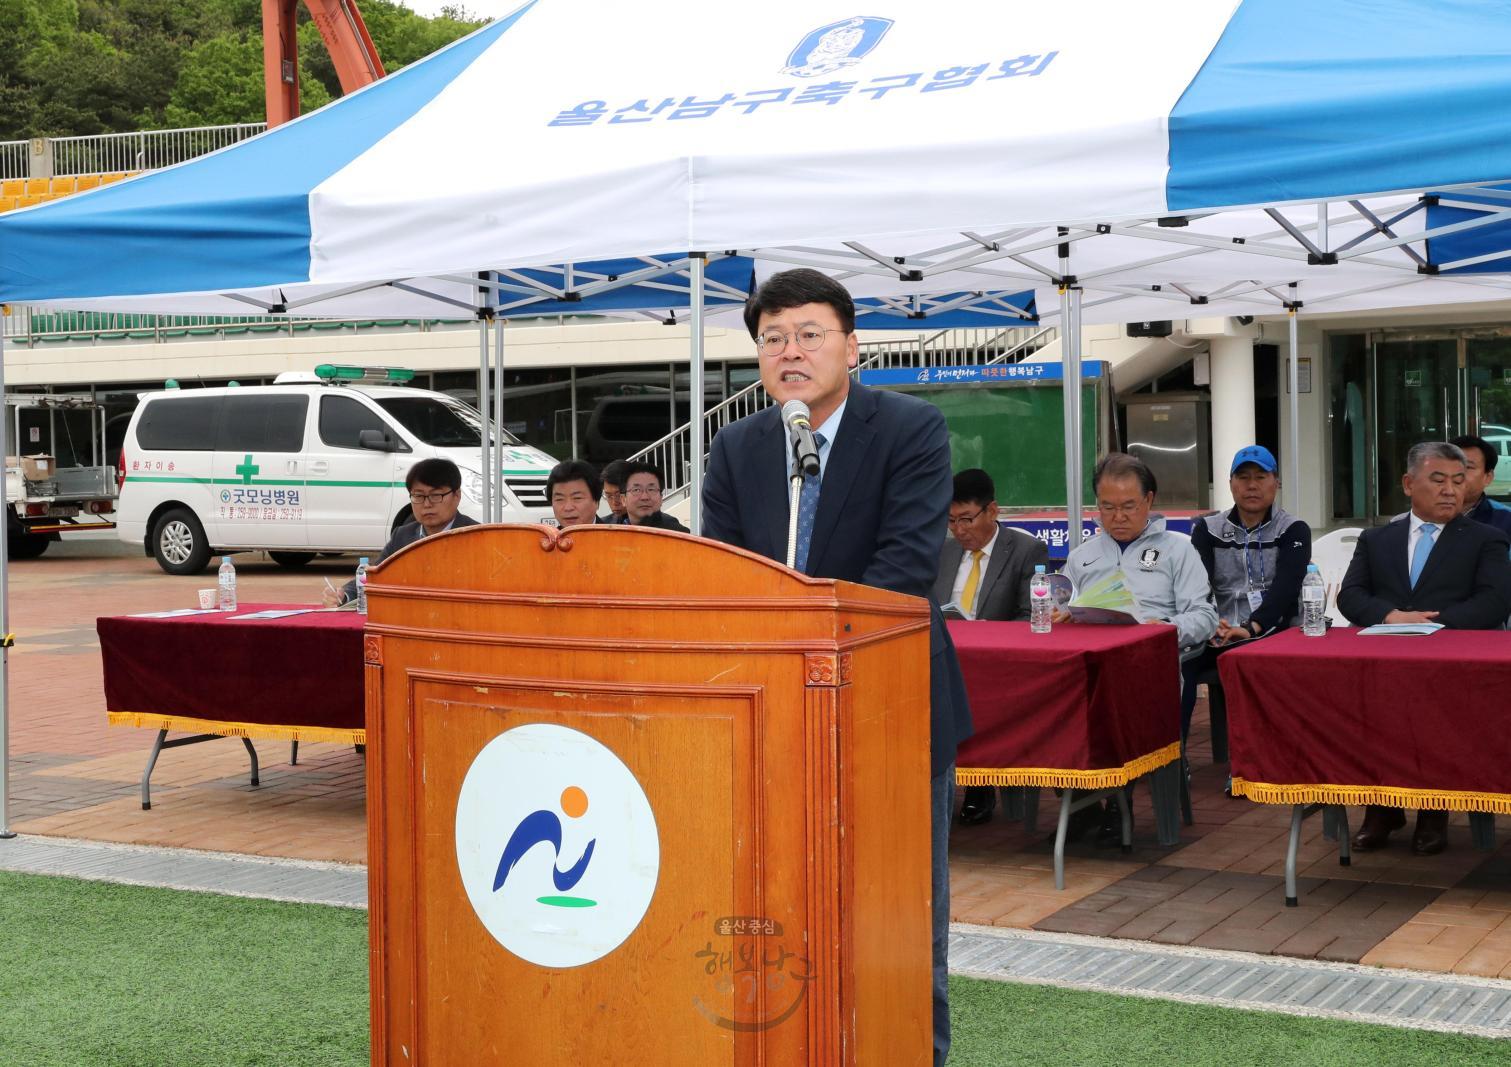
<point>1220,888</point>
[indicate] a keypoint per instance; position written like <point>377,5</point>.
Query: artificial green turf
<point>99,975</point>
<point>1000,1023</point>
<point>93,974</point>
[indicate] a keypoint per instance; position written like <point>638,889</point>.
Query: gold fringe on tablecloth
<point>1050,777</point>
<point>255,730</point>
<point>1387,795</point>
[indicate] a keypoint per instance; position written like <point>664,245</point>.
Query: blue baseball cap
<point>1258,455</point>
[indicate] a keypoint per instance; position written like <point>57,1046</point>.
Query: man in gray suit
<point>984,570</point>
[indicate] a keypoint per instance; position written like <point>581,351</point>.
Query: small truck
<point>57,475</point>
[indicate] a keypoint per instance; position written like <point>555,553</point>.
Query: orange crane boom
<point>346,39</point>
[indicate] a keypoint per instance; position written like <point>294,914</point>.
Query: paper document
<point>176,613</point>
<point>1401,629</point>
<point>1100,616</point>
<point>275,613</point>
<point>1107,602</point>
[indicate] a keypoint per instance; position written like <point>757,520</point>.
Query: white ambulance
<point>314,463</point>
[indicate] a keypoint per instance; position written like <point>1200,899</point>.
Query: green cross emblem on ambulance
<point>246,468</point>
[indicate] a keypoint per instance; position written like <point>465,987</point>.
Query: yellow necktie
<point>973,579</point>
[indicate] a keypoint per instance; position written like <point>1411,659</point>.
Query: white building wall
<point>449,348</point>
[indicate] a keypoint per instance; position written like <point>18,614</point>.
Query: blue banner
<point>995,374</point>
<point>1056,532</point>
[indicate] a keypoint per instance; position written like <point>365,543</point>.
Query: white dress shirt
<point>1415,535</point>
<point>964,572</point>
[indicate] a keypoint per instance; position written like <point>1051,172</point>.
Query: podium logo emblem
<point>556,845</point>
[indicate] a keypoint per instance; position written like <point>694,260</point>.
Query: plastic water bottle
<point>1313,599</point>
<point>1039,606</point>
<point>362,586</point>
<point>226,584</point>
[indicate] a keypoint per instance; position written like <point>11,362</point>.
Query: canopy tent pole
<point>1293,461</point>
<point>497,470</point>
<point>5,637</point>
<point>695,387</point>
<point>482,408</point>
<point>1070,384</point>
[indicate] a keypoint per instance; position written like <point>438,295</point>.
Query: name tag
<point>1255,599</point>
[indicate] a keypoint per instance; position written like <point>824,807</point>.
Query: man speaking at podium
<point>875,513</point>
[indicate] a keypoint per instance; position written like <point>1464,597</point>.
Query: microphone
<point>800,431</point>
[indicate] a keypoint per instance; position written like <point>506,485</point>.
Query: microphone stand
<point>792,506</point>
<point>805,459</point>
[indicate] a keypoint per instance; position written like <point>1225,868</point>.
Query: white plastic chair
<point>1331,553</point>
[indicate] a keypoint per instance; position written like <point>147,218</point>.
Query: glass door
<point>1418,398</point>
<point>1487,377</point>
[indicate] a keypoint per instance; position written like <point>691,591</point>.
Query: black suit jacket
<point>1467,579</point>
<point>404,536</point>
<point>658,520</point>
<point>881,516</point>
<point>1003,595</point>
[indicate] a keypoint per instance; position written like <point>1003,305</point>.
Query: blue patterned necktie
<point>1418,557</point>
<point>807,511</point>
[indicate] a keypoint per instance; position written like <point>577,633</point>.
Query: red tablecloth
<point>1344,719</point>
<point>296,678</point>
<point>1082,706</point>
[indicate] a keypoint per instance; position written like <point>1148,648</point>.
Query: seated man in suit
<point>984,571</point>
<point>613,489</point>
<point>1432,565</point>
<point>573,489</point>
<point>1480,457</point>
<point>435,493</point>
<point>642,498</point>
<point>875,513</point>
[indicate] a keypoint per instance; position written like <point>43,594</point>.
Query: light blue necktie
<point>1423,550</point>
<point>807,511</point>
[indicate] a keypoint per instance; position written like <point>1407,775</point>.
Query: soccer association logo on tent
<point>836,46</point>
<point>556,845</point>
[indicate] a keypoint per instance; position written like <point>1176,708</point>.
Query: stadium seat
<point>87,182</point>
<point>13,187</point>
<point>106,179</point>
<point>37,186</point>
<point>30,201</point>
<point>8,203</point>
<point>63,186</point>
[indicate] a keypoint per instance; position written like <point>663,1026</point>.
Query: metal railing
<point>672,454</point>
<point>13,159</point>
<point>24,326</point>
<point>111,153</point>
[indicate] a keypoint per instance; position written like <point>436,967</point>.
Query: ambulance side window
<point>343,418</point>
<point>179,424</point>
<point>262,423</point>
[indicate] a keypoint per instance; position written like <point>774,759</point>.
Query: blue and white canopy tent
<point>1121,161</point>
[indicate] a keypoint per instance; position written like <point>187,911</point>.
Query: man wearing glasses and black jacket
<point>435,493</point>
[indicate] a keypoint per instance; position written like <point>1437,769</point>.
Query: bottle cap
<point>362,561</point>
<point>1038,568</point>
<point>225,559</point>
<point>1311,568</point>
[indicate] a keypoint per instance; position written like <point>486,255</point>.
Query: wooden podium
<point>640,798</point>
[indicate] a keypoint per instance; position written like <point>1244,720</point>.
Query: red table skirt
<point>297,678</point>
<point>1343,719</point>
<point>1082,706</point>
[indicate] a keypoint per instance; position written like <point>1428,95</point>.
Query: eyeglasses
<point>809,339</point>
<point>965,520</point>
<point>643,490</point>
<point>429,498</point>
<point>1129,508</point>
